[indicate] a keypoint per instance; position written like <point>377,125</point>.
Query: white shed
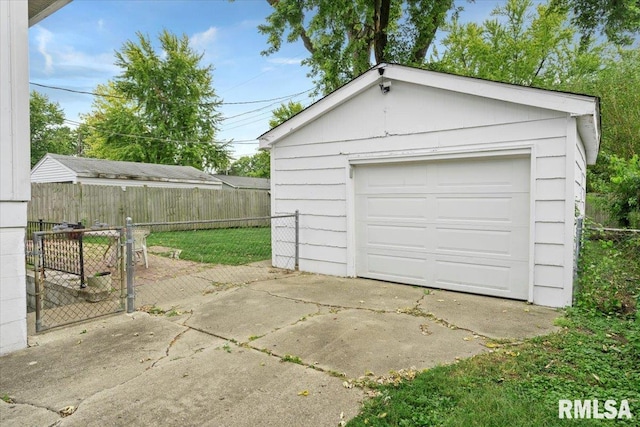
<point>437,180</point>
<point>69,169</point>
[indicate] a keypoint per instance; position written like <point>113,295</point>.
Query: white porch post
<point>15,189</point>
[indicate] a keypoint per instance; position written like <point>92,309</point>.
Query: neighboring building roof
<point>245,182</point>
<point>99,168</point>
<point>585,108</point>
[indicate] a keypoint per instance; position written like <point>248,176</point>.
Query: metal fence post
<point>37,252</point>
<point>576,255</point>
<point>122,266</point>
<point>130,266</point>
<point>297,238</point>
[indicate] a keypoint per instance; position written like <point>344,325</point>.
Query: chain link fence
<point>76,274</point>
<point>173,262</point>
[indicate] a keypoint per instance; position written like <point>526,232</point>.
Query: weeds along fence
<point>609,269</point>
<point>78,274</point>
<point>112,204</point>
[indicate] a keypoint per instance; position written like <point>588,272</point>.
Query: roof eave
<point>328,103</point>
<point>40,9</point>
<point>582,106</point>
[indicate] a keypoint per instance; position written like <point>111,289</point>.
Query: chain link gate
<point>75,274</point>
<point>78,274</point>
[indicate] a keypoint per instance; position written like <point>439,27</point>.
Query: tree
<point>343,35</point>
<point>259,164</point>
<point>48,133</point>
<point>284,112</point>
<point>619,20</point>
<point>617,85</point>
<point>160,109</point>
<point>519,45</point>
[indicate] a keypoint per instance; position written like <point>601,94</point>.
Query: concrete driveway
<point>275,352</point>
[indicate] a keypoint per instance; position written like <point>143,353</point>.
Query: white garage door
<point>461,225</point>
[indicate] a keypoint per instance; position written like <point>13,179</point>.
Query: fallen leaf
<point>303,393</point>
<point>382,415</point>
<point>67,410</point>
<point>440,300</point>
<point>466,339</point>
<point>492,345</point>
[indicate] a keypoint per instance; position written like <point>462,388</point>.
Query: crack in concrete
<point>423,313</point>
<point>330,306</point>
<point>33,405</point>
<point>173,341</point>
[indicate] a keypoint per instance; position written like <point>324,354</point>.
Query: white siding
<point>50,170</point>
<point>14,172</point>
<point>310,167</point>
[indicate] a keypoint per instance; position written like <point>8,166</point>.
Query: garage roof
<point>585,108</point>
<point>40,9</point>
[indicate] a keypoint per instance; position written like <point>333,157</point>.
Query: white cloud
<point>100,24</point>
<point>204,40</point>
<point>43,38</point>
<point>72,59</point>
<point>285,61</point>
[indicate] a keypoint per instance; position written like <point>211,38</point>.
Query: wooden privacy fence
<point>113,204</point>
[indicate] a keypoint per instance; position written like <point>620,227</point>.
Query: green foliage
<point>228,246</point>
<point>617,84</point>
<point>291,359</point>
<point>160,109</point>
<point>521,45</point>
<point>609,280</point>
<point>624,190</point>
<point>342,36</point>
<point>619,20</point>
<point>48,133</point>
<point>257,166</point>
<point>284,112</point>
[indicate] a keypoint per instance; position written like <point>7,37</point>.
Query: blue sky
<point>74,49</point>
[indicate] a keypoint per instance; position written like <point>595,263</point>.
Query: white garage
<point>435,180</point>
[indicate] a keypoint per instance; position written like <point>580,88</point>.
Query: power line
<point>222,143</point>
<point>104,95</point>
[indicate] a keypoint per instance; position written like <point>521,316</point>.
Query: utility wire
<point>104,95</point>
<point>222,143</point>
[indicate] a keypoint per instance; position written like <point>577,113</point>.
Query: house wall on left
<point>14,171</point>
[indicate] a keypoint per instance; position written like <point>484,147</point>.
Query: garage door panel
<point>398,207</point>
<point>464,228</point>
<point>476,274</point>
<point>400,237</point>
<point>484,175</point>
<point>487,243</point>
<point>478,209</point>
<point>483,277</point>
<point>396,267</point>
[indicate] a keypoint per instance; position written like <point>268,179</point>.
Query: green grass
<point>596,355</point>
<point>229,246</point>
